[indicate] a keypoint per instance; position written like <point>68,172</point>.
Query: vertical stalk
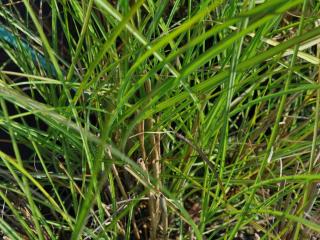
<point>155,167</point>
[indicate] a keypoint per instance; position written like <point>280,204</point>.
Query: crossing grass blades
<point>159,119</point>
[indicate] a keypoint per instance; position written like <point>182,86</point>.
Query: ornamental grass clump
<point>159,119</point>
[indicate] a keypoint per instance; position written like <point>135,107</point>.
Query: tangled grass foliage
<point>159,119</point>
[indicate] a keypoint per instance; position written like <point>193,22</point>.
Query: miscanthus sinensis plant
<point>159,119</point>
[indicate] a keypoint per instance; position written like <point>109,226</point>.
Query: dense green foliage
<point>159,119</point>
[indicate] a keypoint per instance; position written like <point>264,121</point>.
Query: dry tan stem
<point>141,140</point>
<point>154,164</point>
